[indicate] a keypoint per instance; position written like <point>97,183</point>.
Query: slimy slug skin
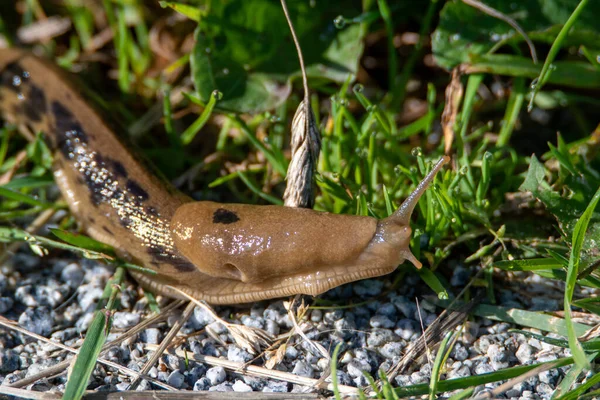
<point>221,253</point>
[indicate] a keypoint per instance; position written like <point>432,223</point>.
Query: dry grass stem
<point>260,372</point>
<point>249,338</point>
<point>187,312</point>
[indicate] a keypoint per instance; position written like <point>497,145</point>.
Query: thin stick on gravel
<point>187,313</point>
<point>59,368</point>
<point>259,371</point>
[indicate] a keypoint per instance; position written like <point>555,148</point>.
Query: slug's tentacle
<point>403,213</point>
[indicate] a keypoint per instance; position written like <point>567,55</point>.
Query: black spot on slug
<point>96,197</point>
<point>118,168</point>
<point>183,266</point>
<point>223,216</point>
<point>66,123</point>
<point>107,230</point>
<point>160,255</point>
<point>37,106</point>
<point>135,189</point>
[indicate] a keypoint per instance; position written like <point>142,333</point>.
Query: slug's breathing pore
<point>221,253</point>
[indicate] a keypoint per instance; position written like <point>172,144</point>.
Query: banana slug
<point>221,253</point>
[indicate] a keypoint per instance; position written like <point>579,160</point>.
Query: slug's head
<point>391,243</point>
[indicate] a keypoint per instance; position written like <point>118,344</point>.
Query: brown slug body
<point>221,253</point>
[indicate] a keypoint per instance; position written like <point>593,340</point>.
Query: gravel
<point>58,302</point>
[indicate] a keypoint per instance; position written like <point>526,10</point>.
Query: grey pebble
<point>216,375</point>
<point>162,376</point>
<point>125,320</point>
<point>38,320</point>
<point>6,303</point>
<point>72,275</point>
<point>221,387</point>
<point>276,387</point>
<point>176,379</point>
<point>257,384</point>
<point>389,310</point>
<point>460,371</point>
<point>345,327</point>
<point>202,384</point>
<point>301,368</point>
<point>195,373</point>
<point>368,287</point>
<point>460,276</point>
<point>381,321</point>
<point>379,337</point>
<point>418,377</point>
<point>88,296</point>
<point>525,353</point>
<point>331,316</point>
<point>202,317</point>
<point>173,362</point>
<point>253,322</point>
<point>459,352</point>
<point>291,353</point>
<point>392,350</point>
<point>316,315</point>
<point>406,328</point>
<point>9,360</point>
<point>151,336</point>
<point>544,390</point>
<point>240,386</point>
<point>23,294</point>
<point>236,354</point>
<point>272,327</point>
<point>356,367</point>
<point>483,368</point>
<point>499,357</point>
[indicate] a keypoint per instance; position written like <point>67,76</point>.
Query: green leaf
<point>191,12</point>
<point>244,50</point>
<point>83,241</point>
<point>574,261</point>
<point>464,31</point>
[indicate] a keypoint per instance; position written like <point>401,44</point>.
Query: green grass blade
<point>94,340</point>
<point>574,259</point>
